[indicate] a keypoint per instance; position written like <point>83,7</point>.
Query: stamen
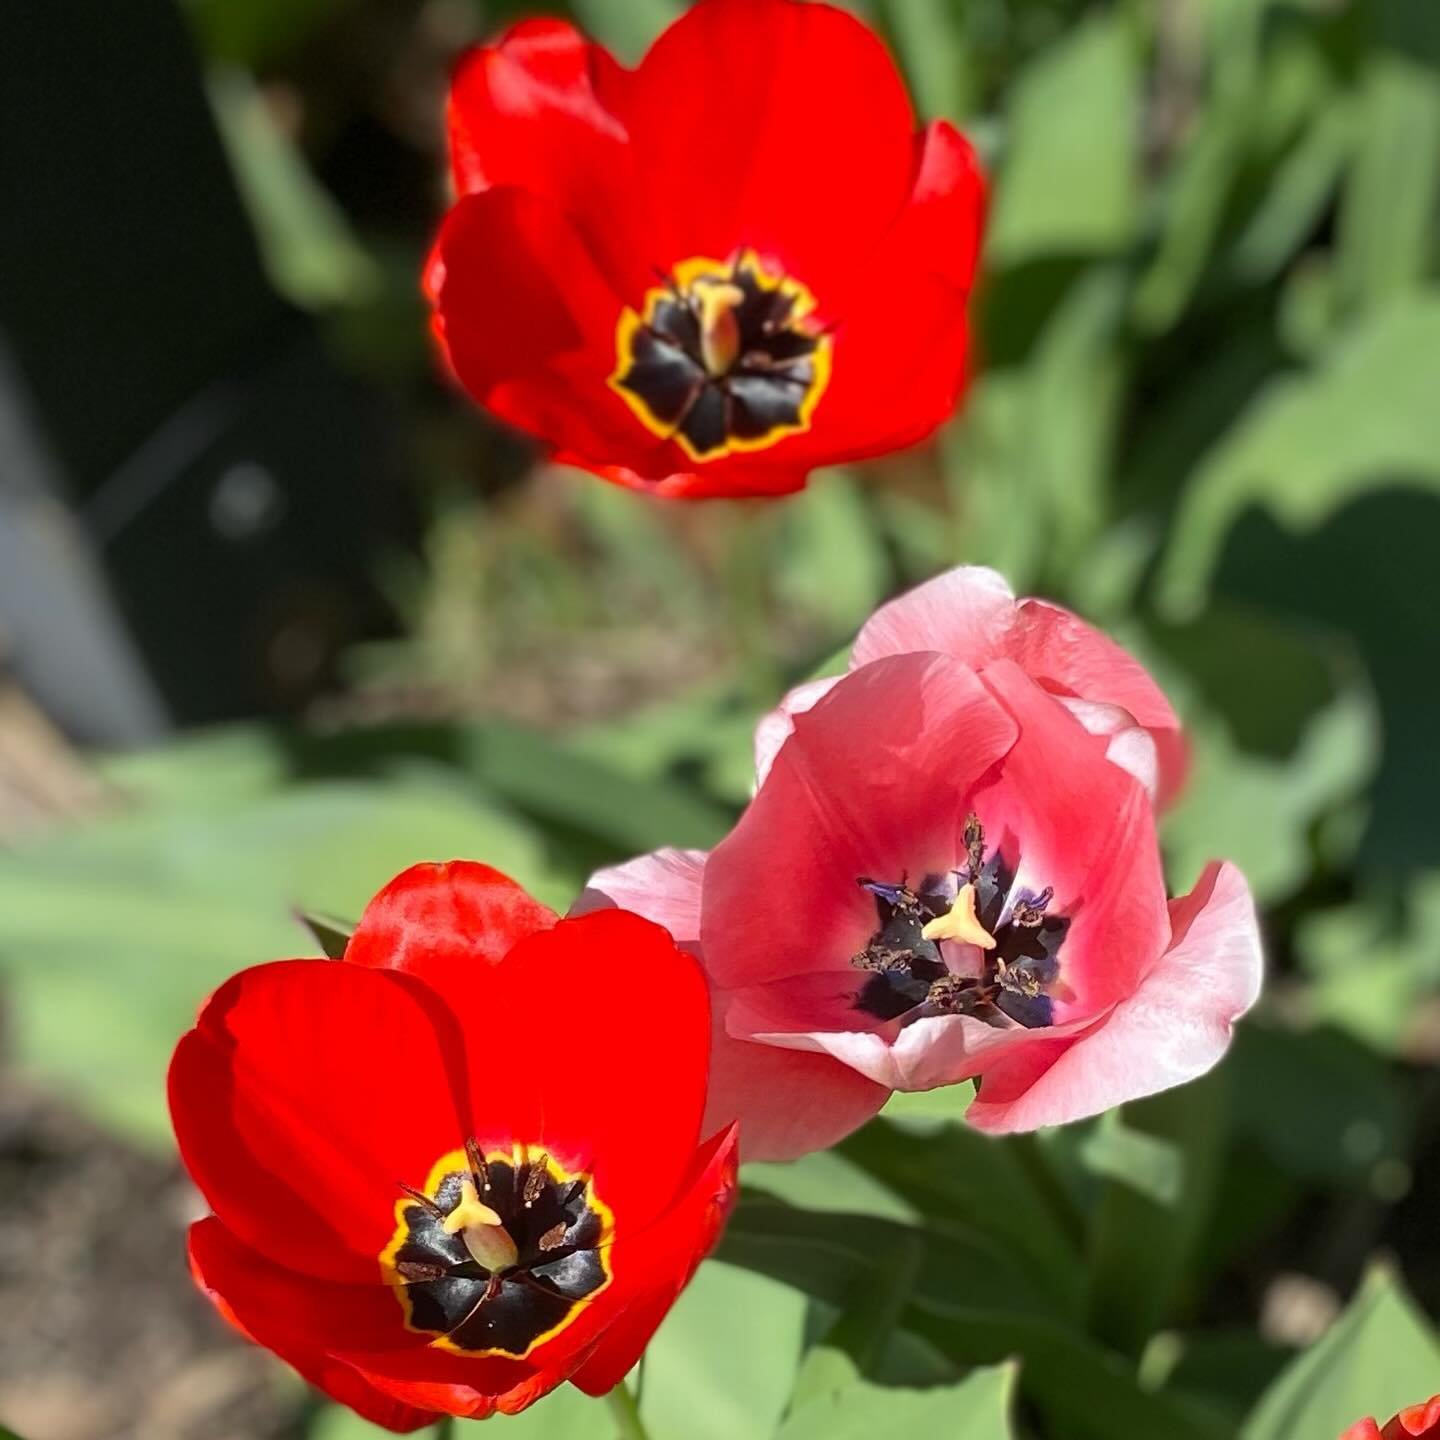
<point>554,1237</point>
<point>479,1165</point>
<point>974,846</point>
<point>1029,913</point>
<point>961,923</point>
<point>535,1179</point>
<point>421,1198</point>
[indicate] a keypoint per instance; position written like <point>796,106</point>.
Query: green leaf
<point>977,1408</point>
<point>331,935</point>
<point>1257,811</point>
<point>1312,441</point>
<point>1068,184</point>
<point>1161,1158</point>
<point>310,252</point>
<point>973,1304</point>
<point>166,903</point>
<point>1387,218</point>
<point>1378,1357</point>
<point>931,47</point>
<point>723,1362</point>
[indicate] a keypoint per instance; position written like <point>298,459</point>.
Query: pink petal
<point>788,1102</point>
<point>967,612</point>
<point>663,886</point>
<point>1085,828</point>
<point>1129,746</point>
<point>871,783</point>
<point>1070,657</point>
<point>1175,1027</point>
<point>775,728</point>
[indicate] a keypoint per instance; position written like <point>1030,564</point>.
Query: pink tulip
<point>970,612</point>
<point>949,872</point>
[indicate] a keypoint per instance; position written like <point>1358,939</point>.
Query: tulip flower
<point>461,1164</point>
<point>971,613</point>
<point>945,875</point>
<point>1417,1422</point>
<point>717,271</point>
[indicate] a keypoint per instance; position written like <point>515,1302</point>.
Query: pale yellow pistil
<point>716,301</point>
<point>961,922</point>
<point>484,1233</point>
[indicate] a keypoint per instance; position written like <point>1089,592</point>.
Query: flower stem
<point>626,1413</point>
<point>446,1428</point>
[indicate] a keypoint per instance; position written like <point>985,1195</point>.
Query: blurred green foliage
<point>1207,419</point>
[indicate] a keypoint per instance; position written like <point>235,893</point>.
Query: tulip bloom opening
<point>1415,1422</point>
<point>950,872</point>
<point>683,277</point>
<point>436,1190</point>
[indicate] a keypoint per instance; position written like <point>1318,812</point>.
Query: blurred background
<point>281,613</point>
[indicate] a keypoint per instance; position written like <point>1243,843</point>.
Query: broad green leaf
<point>1321,1106</point>
<point>828,1180</point>
<point>1387,218</point>
<point>1312,441</point>
<point>930,44</point>
<point>1257,811</point>
<point>973,1305</point>
<point>141,914</point>
<point>1376,999</point>
<point>560,787</point>
<point>858,1340</point>
<point>311,254</point>
<point>977,1408</point>
<point>723,1362</point>
<point>1001,1189</point>
<point>831,561</point>
<point>1381,1355</point>
<point>1068,184</point>
<point>1160,1157</point>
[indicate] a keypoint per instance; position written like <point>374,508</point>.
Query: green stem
<point>447,1428</point>
<point>626,1413</point>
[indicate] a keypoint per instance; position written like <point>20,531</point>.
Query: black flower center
<point>723,357</point>
<point>1015,937</point>
<point>497,1253</point>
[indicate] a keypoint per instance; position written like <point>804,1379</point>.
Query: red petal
<point>737,477</point>
<point>298,1317</point>
<point>591,1041</point>
<point>350,1340</point>
<point>535,110</point>
<point>775,124</point>
<point>902,338</point>
<point>660,1262</point>
<point>1417,1421</point>
<point>459,910</point>
<point>528,324</point>
<point>306,1091</point>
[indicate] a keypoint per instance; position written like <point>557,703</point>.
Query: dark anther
<point>554,1236</point>
<point>479,1166</point>
<point>974,846</point>
<point>536,1179</point>
<point>420,1270</point>
<point>1029,913</point>
<point>421,1198</point>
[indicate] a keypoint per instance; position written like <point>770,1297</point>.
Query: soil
<point>102,1334</point>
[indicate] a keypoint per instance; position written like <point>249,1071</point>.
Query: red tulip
<point>459,1166</point>
<point>950,871</point>
<point>1418,1422</point>
<point>713,273</point>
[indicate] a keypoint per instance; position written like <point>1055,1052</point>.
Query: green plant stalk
<point>625,1411</point>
